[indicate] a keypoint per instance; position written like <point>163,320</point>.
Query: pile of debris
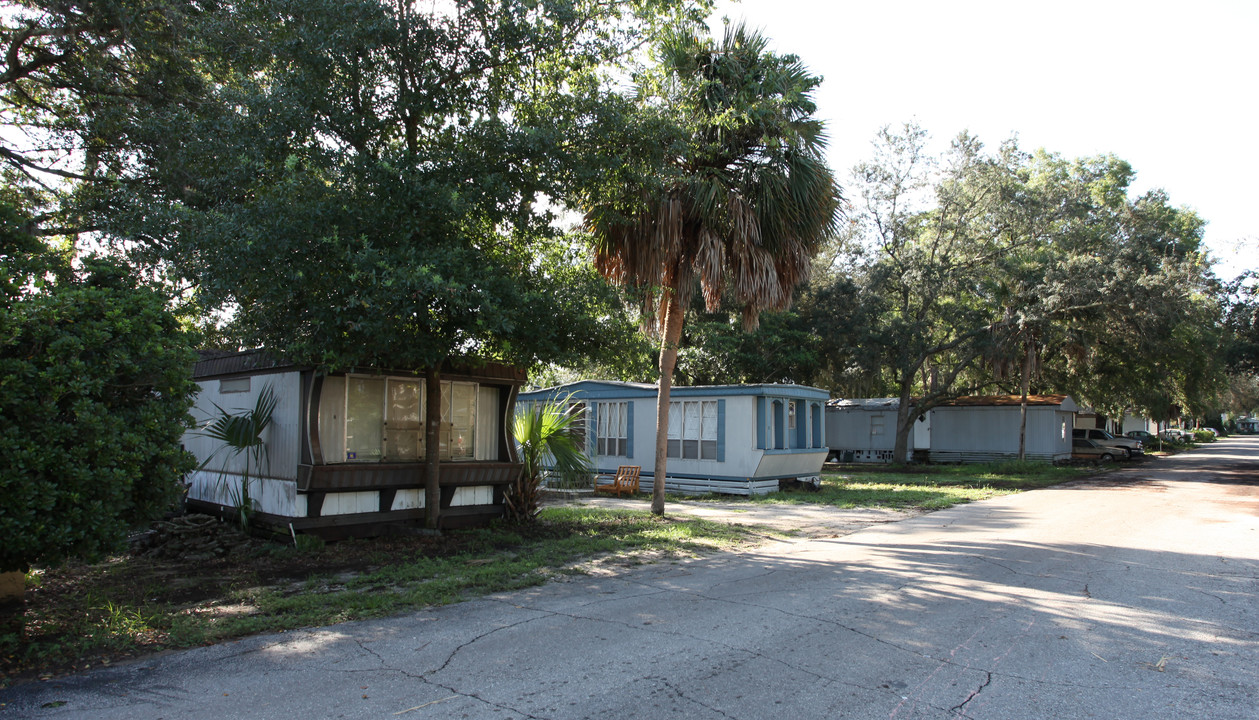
<point>190,537</point>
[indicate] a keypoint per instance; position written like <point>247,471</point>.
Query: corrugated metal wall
<point>283,443</point>
<point>860,429</point>
<point>277,497</point>
<point>980,434</point>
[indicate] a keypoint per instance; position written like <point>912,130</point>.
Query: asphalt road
<point>1129,597</point>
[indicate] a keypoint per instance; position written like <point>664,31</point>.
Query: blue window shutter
<point>721,431</point>
<point>780,424</point>
<point>592,428</point>
<point>629,428</point>
<point>802,423</point>
<point>817,425</point>
<point>760,423</point>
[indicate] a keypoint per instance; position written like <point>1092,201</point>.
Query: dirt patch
<point>78,598</point>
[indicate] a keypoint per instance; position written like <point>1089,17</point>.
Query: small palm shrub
<point>241,434</point>
<point>548,435</point>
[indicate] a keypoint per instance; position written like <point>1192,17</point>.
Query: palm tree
<point>241,434</point>
<point>547,434</point>
<point>738,201</point>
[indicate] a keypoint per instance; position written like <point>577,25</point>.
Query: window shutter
<point>629,428</point>
<point>802,423</point>
<point>721,431</point>
<point>760,422</point>
<point>593,411</point>
<point>816,423</point>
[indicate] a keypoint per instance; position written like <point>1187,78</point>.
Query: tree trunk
<point>904,422</point>
<point>669,340</point>
<point>432,446</point>
<point>1027,374</point>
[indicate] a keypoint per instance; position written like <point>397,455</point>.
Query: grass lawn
<point>926,487</point>
<point>84,615</point>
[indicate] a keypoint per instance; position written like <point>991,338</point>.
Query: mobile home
<point>345,452</point>
<point>986,428</point>
<point>736,439</point>
<point>864,430</point>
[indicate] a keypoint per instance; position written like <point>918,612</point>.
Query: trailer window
<point>384,420</point>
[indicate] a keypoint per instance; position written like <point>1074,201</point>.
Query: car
<point>1176,435</point>
<point>1145,437</point>
<point>1125,447</point>
<point>1085,449</point>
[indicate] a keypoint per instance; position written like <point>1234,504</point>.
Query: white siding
<point>478,495</point>
<point>281,438</point>
<point>276,497</point>
<point>350,503</point>
<point>801,463</point>
<point>1139,423</point>
<point>922,433</point>
<point>408,499</point>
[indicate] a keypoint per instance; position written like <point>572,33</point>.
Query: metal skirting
<point>861,456</point>
<point>704,486</point>
<point>964,456</point>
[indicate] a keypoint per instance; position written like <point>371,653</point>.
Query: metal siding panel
<point>351,503</point>
<point>408,499</point>
<point>285,441</point>
<point>790,464</point>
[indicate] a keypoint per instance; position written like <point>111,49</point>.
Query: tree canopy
<point>352,182</point>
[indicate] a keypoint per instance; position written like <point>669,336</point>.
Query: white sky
<point>1171,87</point>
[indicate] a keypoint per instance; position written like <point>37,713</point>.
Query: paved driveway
<point>1131,597</point>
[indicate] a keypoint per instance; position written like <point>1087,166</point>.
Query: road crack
<point>974,694</point>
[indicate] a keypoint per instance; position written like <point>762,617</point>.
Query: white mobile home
<point>984,429</point>
<point>737,439</point>
<point>864,430</point>
<point>346,452</point>
<point>1133,423</point>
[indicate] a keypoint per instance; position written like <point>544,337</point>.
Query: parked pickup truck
<point>1126,446</point>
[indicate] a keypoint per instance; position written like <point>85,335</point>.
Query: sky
<point>1170,87</point>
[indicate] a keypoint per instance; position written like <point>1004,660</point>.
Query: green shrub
<point>95,387</point>
<point>1203,436</point>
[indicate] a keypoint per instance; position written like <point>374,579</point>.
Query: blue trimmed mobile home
<point>735,439</point>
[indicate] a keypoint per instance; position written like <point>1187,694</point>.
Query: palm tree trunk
<point>669,340</point>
